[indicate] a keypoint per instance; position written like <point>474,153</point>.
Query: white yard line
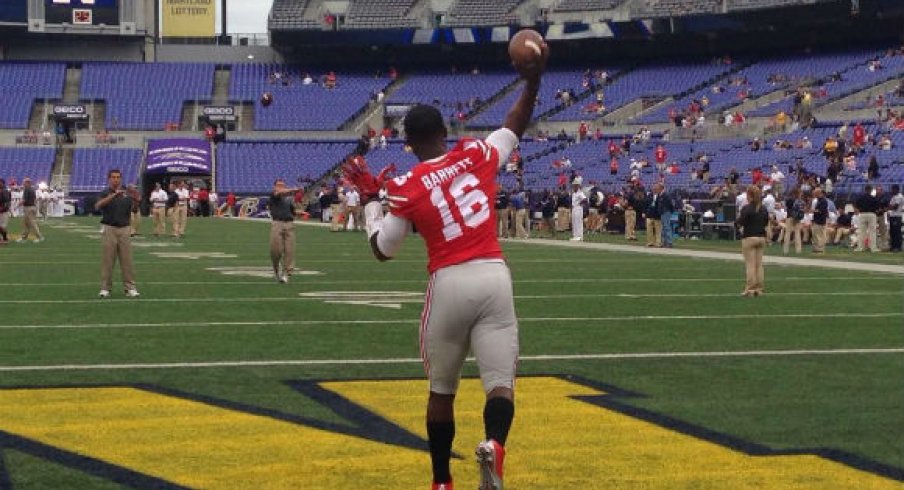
<point>538,358</point>
<point>408,321</point>
<point>608,280</point>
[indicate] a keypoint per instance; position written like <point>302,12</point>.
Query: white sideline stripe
<point>732,256</point>
<point>547,357</point>
<point>281,323</point>
<point>315,282</point>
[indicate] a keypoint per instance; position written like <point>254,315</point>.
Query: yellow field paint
<point>557,442</point>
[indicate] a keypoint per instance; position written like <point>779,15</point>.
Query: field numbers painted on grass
<point>379,299</point>
<point>566,435</point>
<point>194,255</point>
<point>255,271</point>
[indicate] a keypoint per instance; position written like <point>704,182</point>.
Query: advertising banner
<point>189,18</point>
<point>178,156</point>
<point>70,112</point>
<point>220,113</point>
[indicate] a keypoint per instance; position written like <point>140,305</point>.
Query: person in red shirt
<point>331,80</point>
<point>469,305</point>
<point>204,202</point>
<point>614,149</point>
<point>859,136</point>
<point>757,176</point>
<point>230,204</point>
<point>387,132</point>
<point>598,134</point>
<point>583,129</point>
<point>660,154</point>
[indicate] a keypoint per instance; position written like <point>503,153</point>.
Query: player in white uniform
<point>158,209</point>
<point>577,210</point>
<point>469,303</point>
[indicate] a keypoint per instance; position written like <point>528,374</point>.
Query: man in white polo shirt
<point>180,211</point>
<point>158,209</point>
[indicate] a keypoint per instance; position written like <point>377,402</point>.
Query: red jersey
<point>661,155</point>
<point>450,200</point>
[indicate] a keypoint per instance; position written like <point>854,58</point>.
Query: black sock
<point>441,435</point>
<point>497,418</point>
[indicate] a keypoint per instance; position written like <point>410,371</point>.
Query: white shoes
<point>103,294</point>
<point>132,293</point>
<point>577,239</point>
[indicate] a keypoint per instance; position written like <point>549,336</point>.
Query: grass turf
<point>569,302</point>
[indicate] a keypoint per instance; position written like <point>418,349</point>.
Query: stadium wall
<point>217,54</point>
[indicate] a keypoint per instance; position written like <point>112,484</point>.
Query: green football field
<point>637,371</point>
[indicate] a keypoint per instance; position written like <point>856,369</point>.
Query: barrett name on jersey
<point>447,200</point>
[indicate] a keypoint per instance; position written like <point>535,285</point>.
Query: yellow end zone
<point>557,442</point>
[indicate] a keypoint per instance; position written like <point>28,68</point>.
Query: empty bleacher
<point>146,95</point>
<point>451,92</point>
<point>380,14</point>
<point>302,107</point>
<point>18,163</point>
<point>586,5</point>
<point>467,13</point>
<point>90,167</point>
<point>22,84</point>
<point>251,167</point>
<point>677,8</point>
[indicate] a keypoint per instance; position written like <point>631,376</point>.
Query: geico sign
<point>69,109</point>
<point>219,111</point>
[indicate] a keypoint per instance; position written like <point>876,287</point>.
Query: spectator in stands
<point>753,220</point>
<point>872,171</point>
<point>859,138</point>
<point>756,144</point>
<point>330,80</point>
<point>777,178</point>
<point>306,79</point>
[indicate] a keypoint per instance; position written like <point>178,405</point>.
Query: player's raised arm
<point>529,54</point>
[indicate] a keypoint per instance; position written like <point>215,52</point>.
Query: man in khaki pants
<point>653,214</point>
<point>180,212</point>
<point>282,231</point>
<point>820,218</point>
<point>158,210</point>
<point>135,220</point>
<point>30,212</point>
<point>116,205</point>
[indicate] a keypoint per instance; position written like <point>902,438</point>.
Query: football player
<point>448,198</point>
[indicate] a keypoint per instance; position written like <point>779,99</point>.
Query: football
<point>525,48</point>
<point>266,99</point>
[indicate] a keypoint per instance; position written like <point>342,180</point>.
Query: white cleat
<point>132,293</point>
<point>490,457</point>
<point>103,294</point>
